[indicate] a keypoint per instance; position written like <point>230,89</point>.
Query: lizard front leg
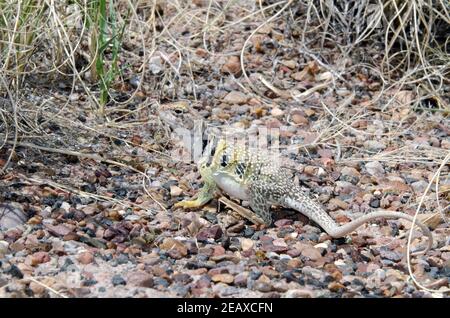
<point>205,195</point>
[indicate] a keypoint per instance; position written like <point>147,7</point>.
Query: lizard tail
<point>305,205</point>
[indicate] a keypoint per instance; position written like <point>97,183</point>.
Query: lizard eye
<point>224,160</point>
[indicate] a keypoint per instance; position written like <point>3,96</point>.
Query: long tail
<point>305,205</point>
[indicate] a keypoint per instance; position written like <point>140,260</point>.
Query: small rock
<point>289,63</point>
<point>158,281</point>
<point>391,255</point>
<point>374,168</point>
<point>118,280</point>
<point>380,274</point>
<point>294,263</point>
<point>223,278</point>
<point>267,246</point>
<point>445,143</point>
<point>294,252</point>
<point>279,242</point>
<point>182,278</point>
<point>85,258</point>
<point>11,216</point>
<point>58,230</point>
<point>375,203</point>
<point>236,97</point>
<point>155,65</point>
<point>14,271</point>
<point>350,174</point>
<point>374,145</point>
<point>214,232</point>
<point>283,222</point>
<point>321,245</point>
<point>273,123</point>
<point>339,203</point>
<point>311,253</point>
<point>74,97</point>
<point>246,244</point>
<point>90,210</point>
<point>299,293</point>
<point>277,112</point>
<point>263,287</point>
<point>173,244</point>
<point>232,66</point>
<point>140,279</point>
<point>39,258</point>
<point>218,250</point>
<point>299,119</point>
<point>3,248</point>
<point>65,206</point>
<point>419,186</point>
<point>335,286</point>
<point>240,280</point>
<point>37,289</point>
<point>175,191</point>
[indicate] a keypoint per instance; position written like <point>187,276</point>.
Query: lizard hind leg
<point>260,205</point>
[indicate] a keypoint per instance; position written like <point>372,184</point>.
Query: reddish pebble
<point>85,258</point>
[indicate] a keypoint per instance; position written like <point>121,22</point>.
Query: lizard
<point>253,176</point>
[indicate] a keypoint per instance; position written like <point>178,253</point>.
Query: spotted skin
<point>254,175</point>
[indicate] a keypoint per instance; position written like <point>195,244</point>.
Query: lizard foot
<point>189,204</point>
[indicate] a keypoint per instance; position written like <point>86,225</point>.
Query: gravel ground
<point>78,227</point>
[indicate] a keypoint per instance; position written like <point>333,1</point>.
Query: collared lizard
<point>250,175</point>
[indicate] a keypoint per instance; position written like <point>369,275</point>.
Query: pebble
<point>277,112</point>
<point>419,186</point>
<point>375,203</point>
<point>240,280</point>
<point>279,242</point>
<point>338,203</point>
<point>14,271</point>
<point>311,253</point>
<point>236,97</point>
<point>232,66</point>
<point>37,289</point>
<point>335,287</point>
<point>246,244</point>
<point>391,255</point>
<point>380,274</point>
<point>299,119</point>
<point>38,258</point>
<point>3,248</point>
<point>374,168</point>
<point>374,145</point>
<point>218,250</point>
<point>182,278</point>
<point>58,230</point>
<point>223,278</point>
<point>118,280</point>
<point>214,232</point>
<point>173,244</point>
<point>294,263</point>
<point>263,287</point>
<point>299,293</point>
<point>313,272</point>
<point>282,223</point>
<point>175,191</point>
<point>85,258</point>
